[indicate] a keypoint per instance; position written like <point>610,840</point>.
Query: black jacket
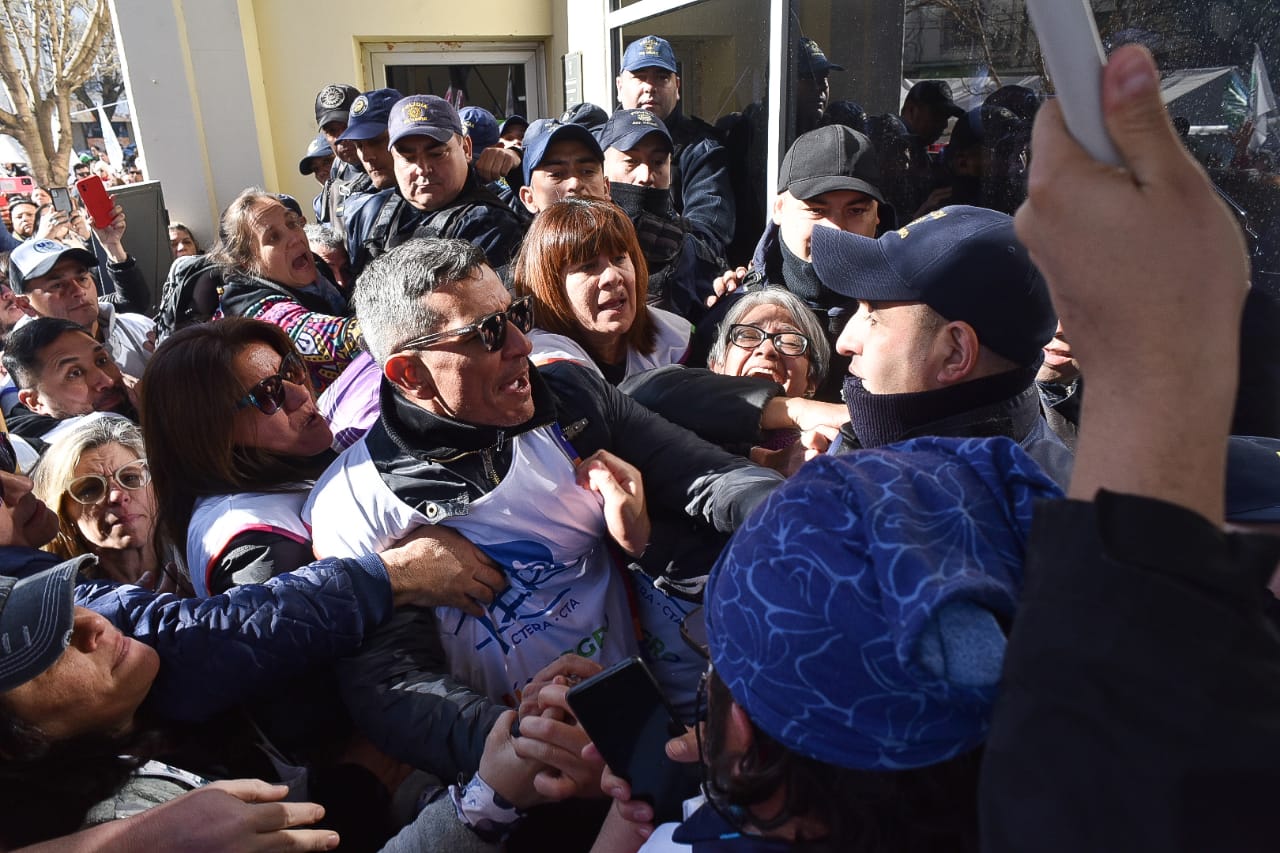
<point>384,220</point>
<point>399,689</point>
<point>1140,707</point>
<point>700,184</point>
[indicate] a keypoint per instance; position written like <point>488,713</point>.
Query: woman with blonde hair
<point>97,480</point>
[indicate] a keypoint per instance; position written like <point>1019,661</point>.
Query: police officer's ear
<point>960,352</point>
<point>407,372</point>
<point>526,198</point>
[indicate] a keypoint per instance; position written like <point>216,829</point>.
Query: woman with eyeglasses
<point>97,480</point>
<point>772,334</point>
<point>270,274</point>
<point>234,441</point>
<point>583,266</point>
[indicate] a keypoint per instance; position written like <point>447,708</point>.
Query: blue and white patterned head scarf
<point>859,613</point>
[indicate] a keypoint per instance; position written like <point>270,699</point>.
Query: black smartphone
<point>61,198</point>
<point>624,712</point>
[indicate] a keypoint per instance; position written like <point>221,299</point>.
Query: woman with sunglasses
<point>234,440</point>
<point>583,266</point>
<point>270,274</point>
<point>97,480</point>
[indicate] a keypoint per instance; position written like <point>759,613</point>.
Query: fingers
<point>684,748</point>
<point>616,469</point>
<point>575,667</point>
<point>615,786</point>
<point>252,790</point>
<point>270,817</point>
<point>293,840</point>
<point>1136,118</point>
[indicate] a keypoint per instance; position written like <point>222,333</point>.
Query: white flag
<point>112,145</point>
<point>1263,98</point>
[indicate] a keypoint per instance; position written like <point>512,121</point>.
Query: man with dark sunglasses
<point>472,437</point>
<point>62,375</point>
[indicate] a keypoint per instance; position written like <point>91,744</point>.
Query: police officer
<point>437,192</point>
<point>333,104</point>
<point>700,185</point>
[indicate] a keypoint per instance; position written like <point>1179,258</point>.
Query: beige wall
<point>295,49</point>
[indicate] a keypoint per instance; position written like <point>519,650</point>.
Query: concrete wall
<point>186,64</point>
<point>300,48</point>
<point>223,91</point>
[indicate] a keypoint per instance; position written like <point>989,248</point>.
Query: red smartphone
<point>17,186</point>
<point>96,200</point>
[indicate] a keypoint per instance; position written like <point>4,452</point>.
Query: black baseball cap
<point>835,157</point>
<point>333,102</point>
<point>625,128</point>
<point>964,262</point>
<point>936,93</point>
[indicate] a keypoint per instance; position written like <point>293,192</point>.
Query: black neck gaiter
<point>879,419</point>
<point>801,278</point>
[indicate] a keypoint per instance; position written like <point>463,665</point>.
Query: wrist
<point>484,811</point>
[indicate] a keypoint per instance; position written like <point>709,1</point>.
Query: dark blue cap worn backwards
<point>858,615</point>
<point>369,113</point>
<point>625,128</point>
<point>963,262</point>
<point>650,52</point>
<point>544,131</point>
<point>424,115</point>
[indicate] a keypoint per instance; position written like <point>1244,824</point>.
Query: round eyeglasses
<point>93,488</point>
<point>750,337</point>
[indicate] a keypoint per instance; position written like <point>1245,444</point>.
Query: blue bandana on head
<point>857,614</point>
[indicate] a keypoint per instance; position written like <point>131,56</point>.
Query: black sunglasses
<point>268,394</point>
<point>491,329</point>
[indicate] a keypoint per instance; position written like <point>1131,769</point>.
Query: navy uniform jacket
<point>700,179</point>
<point>477,216</point>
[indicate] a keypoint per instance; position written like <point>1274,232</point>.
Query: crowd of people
<point>311,544</point>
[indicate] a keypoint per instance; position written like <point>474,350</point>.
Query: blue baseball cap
<point>650,52</point>
<point>319,147</point>
<point>481,126</point>
<point>858,615</point>
<point>369,112</point>
<point>811,60</point>
<point>36,617</point>
<point>964,262</point>
<point>35,258</point>
<point>625,128</point>
<point>424,115</point>
<point>543,132</point>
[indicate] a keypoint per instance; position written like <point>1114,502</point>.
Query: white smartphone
<point>1073,54</point>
